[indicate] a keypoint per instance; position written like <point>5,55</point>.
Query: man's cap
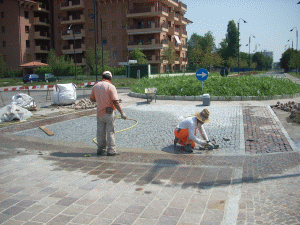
<point>107,73</point>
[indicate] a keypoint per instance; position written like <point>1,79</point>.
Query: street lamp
<point>292,42</point>
<point>68,31</point>
<point>239,44</point>
<point>256,47</point>
<point>296,35</point>
<point>249,48</point>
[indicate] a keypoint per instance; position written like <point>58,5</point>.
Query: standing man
<point>185,132</point>
<point>105,95</point>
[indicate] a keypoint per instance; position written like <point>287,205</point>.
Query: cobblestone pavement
<point>62,181</point>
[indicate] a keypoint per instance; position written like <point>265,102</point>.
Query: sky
<point>270,21</point>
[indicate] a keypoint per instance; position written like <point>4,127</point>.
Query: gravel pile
<point>82,104</point>
<point>292,107</point>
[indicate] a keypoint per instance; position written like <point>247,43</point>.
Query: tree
<point>200,50</point>
<point>259,59</point>
<point>286,59</point>
<point>295,61</point>
<point>91,62</point>
<point>232,62</point>
<point>169,54</point>
<point>137,54</point>
<point>229,46</point>
<point>61,66</point>
<point>232,38</point>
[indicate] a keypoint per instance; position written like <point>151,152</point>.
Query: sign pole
<point>202,85</point>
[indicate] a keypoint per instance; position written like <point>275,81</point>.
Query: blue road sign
<point>202,74</point>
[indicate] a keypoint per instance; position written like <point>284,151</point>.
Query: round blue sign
<point>202,74</point>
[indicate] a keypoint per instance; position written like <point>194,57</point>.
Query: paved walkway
<point>253,178</point>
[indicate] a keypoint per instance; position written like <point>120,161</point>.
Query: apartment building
<point>25,31</point>
<point>69,28</point>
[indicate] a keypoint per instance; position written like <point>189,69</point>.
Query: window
<point>26,29</point>
<point>3,29</point>
<point>2,14</point>
<point>115,54</point>
<point>26,14</point>
<point>114,39</point>
<point>1,1</point>
<point>91,13</point>
<point>28,58</point>
<point>4,44</point>
<point>27,43</point>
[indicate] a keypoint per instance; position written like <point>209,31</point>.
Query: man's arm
<point>92,97</point>
<point>118,106</point>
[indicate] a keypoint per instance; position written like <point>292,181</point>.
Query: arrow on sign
<point>202,74</point>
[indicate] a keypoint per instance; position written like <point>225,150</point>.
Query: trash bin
<point>206,99</point>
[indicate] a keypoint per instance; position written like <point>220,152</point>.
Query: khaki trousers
<point>106,133</point>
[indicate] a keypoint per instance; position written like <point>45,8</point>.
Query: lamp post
<point>292,42</point>
<point>95,39</point>
<point>256,47</point>
<point>68,31</point>
<point>249,48</point>
<point>296,36</point>
<point>239,44</point>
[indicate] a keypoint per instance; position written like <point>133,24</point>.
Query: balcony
<point>153,44</point>
<point>78,34</point>
<point>173,31</point>
<point>41,35</point>
<point>183,47</point>
<point>155,59</point>
<point>147,28</point>
<point>73,19</point>
<point>177,47</point>
<point>69,49</point>
<point>171,3</point>
<point>174,16</point>
<point>41,21</point>
<point>42,8</point>
<point>41,49</point>
<point>183,7</point>
<point>148,12</point>
<point>69,5</point>
<point>183,34</point>
<point>183,61</point>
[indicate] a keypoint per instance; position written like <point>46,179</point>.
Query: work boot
<point>188,148</point>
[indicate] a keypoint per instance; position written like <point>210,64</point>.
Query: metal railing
<point>148,9</point>
<point>183,5</point>
<point>147,26</point>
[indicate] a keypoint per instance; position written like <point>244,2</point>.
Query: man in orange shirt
<point>105,95</point>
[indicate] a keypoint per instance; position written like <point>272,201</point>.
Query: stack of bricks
<point>292,107</point>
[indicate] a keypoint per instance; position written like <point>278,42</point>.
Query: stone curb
<point>216,98</point>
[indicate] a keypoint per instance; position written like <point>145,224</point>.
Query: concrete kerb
<point>216,98</point>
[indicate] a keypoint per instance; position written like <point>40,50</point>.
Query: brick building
<point>31,28</point>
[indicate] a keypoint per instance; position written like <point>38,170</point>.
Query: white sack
<point>13,112</point>
<point>64,94</point>
<point>23,100</point>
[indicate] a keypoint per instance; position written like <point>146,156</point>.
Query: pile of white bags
<point>23,100</point>
<point>14,112</point>
<point>64,94</point>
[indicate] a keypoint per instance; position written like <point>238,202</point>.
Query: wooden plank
<point>50,133</point>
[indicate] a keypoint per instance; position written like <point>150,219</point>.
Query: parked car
<point>29,78</point>
<point>48,77</point>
